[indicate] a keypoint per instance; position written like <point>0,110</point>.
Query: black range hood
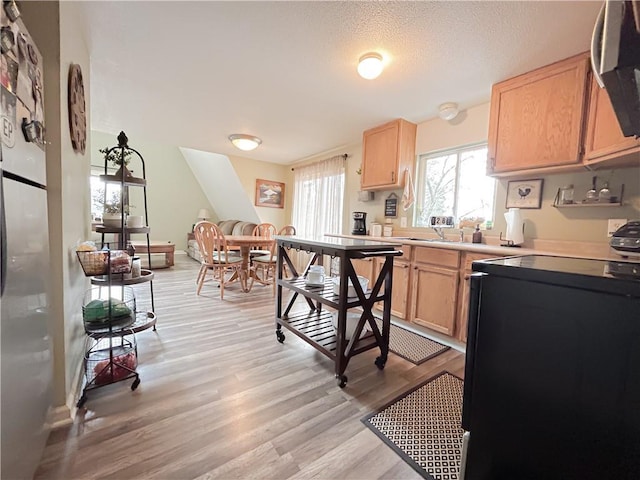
<point>615,57</point>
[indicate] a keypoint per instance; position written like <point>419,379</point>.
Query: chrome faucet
<point>440,233</point>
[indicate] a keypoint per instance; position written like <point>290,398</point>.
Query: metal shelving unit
<point>110,322</point>
<point>123,232</point>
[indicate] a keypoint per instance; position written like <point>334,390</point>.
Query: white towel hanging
<point>408,195</point>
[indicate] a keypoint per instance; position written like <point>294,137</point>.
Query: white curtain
<point>318,197</point>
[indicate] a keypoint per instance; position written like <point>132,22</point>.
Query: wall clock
<point>77,114</point>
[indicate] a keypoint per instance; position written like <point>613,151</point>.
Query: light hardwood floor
<point>220,398</point>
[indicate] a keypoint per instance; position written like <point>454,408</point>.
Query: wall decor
<point>11,9</point>
<point>7,117</point>
<point>391,206</point>
<point>9,73</point>
<point>524,193</point>
<point>269,193</point>
<point>77,114</point>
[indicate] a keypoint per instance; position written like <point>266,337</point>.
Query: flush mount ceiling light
<point>245,142</point>
<point>448,111</point>
<point>370,65</point>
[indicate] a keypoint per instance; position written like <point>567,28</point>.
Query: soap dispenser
<point>477,235</point>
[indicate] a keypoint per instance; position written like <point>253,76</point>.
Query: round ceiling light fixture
<point>370,65</point>
<point>448,111</point>
<point>245,142</point>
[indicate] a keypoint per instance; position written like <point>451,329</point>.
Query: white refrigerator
<point>26,364</point>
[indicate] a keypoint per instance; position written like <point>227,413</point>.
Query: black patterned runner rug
<point>423,426</point>
<point>411,346</point>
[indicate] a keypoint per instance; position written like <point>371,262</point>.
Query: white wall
<point>173,193</point>
<point>249,171</point>
<point>180,181</point>
<point>220,184</point>
<point>53,26</point>
<point>548,223</point>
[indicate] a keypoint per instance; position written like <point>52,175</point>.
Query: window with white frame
<point>454,183</point>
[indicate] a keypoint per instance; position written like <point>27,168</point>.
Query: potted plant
<point>112,211</point>
<point>118,157</point>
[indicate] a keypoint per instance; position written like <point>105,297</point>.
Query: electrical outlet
<point>614,224</point>
<point>403,222</point>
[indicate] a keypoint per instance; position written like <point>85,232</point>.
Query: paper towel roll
<point>515,226</point>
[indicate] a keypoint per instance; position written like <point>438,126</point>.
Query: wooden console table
<point>315,326</point>
<point>158,247</point>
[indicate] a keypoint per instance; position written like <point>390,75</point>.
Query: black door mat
<point>411,346</point>
<point>423,426</point>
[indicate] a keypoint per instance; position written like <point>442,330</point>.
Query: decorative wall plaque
<point>391,206</point>
<point>77,114</point>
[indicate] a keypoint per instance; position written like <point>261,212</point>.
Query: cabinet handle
<point>393,176</point>
<point>403,266</point>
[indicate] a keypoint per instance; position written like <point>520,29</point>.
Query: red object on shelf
<point>103,372</point>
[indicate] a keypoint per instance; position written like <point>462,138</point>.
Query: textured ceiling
<point>191,73</point>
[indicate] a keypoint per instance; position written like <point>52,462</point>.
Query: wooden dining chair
<point>263,230</point>
<point>287,230</point>
<point>264,268</point>
<point>216,257</point>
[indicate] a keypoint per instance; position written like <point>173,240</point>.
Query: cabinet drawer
<point>437,256</point>
<point>406,254</point>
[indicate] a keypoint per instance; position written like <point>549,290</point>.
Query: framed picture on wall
<point>524,193</point>
<point>269,193</point>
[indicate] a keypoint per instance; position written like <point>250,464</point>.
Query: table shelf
<point>118,278</point>
<point>141,321</point>
<point>323,294</point>
<point>316,328</point>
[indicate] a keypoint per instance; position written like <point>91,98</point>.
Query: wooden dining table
<point>246,243</point>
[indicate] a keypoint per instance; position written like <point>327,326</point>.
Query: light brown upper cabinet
<point>604,142</point>
<point>387,151</point>
<point>536,119</point>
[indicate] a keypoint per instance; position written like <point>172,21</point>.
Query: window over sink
<point>454,183</point>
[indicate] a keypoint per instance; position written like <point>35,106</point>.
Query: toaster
<point>626,240</point>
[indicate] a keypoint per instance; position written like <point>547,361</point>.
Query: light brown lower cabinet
<point>463,306</point>
<point>463,293</point>
<point>399,290</point>
<point>364,268</point>
<point>430,287</point>
<point>433,299</point>
<point>434,288</point>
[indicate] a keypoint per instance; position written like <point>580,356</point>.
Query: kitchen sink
<point>423,239</point>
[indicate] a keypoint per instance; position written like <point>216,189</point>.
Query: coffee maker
<point>359,223</point>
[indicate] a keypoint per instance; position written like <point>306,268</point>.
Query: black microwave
<point>615,58</point>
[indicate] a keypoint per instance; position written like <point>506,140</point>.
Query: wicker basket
<point>96,262</point>
<point>108,305</point>
<point>93,263</point>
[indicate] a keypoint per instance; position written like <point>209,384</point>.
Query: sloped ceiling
<point>220,184</point>
<point>191,73</point>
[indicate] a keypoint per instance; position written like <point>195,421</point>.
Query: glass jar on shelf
<point>566,195</point>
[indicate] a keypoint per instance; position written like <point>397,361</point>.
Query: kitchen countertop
<point>354,242</point>
<point>562,249</point>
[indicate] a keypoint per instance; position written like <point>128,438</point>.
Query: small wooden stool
<point>157,247</point>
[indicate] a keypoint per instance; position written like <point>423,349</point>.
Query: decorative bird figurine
<point>524,191</point>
